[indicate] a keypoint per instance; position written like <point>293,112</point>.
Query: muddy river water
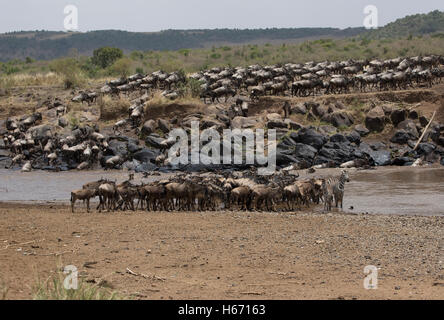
<point>412,191</point>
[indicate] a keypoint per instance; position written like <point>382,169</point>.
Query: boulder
<point>319,110</point>
<point>425,148</point>
<point>397,116</point>
<point>292,125</point>
<point>155,141</point>
<point>339,119</point>
<point>375,119</point>
<point>149,127</point>
<point>310,137</point>
<point>354,137</point>
<point>274,124</point>
<point>284,158</point>
<point>414,115</point>
<point>335,152</point>
<point>409,126</point>
<point>402,161</point>
<point>118,148</point>
<point>338,138</point>
<point>381,158</point>
<point>163,125</point>
<point>363,131</point>
<point>402,137</point>
<point>299,109</point>
<point>423,121</point>
<point>62,122</point>
<point>146,155</point>
<point>304,152</point>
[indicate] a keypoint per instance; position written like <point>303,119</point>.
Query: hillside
<point>44,45</point>
<point>414,25</point>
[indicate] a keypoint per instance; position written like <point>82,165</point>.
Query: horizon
<point>27,16</point>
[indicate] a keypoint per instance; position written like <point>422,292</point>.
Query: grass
<point>3,291</point>
<point>191,60</point>
<point>111,109</point>
<point>53,289</point>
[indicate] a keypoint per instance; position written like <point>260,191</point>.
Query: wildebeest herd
<point>236,191</point>
<point>292,79</point>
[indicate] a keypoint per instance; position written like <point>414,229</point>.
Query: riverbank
<point>224,255</point>
<point>386,190</point>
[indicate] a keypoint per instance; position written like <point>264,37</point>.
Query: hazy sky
<point>147,15</point>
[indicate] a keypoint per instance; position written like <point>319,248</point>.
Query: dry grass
<point>111,109</point>
<point>53,289</point>
<point>27,80</point>
<point>187,99</point>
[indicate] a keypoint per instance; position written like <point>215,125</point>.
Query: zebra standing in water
<point>327,194</point>
<point>337,186</point>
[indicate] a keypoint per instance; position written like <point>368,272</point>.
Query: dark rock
<point>118,148</point>
<point>299,109</point>
<point>283,159</point>
<point>310,105</point>
<point>409,126</point>
<point>425,148</point>
<point>339,119</point>
<point>304,152</point>
<point>146,155</point>
<point>319,110</point>
<point>310,137</point>
<point>440,141</point>
<point>363,132</point>
<point>381,158</point>
<point>402,161</point>
<point>377,146</point>
<point>335,152</point>
<point>62,122</point>
<point>292,125</point>
<point>402,137</point>
<point>145,167</point>
<point>423,121</point>
<point>131,165</point>
<point>274,124</point>
<point>354,137</point>
<point>397,116</point>
<point>155,141</point>
<point>133,146</point>
<point>163,125</point>
<point>327,130</point>
<point>413,114</point>
<point>339,138</point>
<point>375,119</point>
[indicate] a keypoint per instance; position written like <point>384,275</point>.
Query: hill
<point>414,25</point>
<point>45,45</point>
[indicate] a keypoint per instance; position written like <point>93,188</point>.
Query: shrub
<point>69,69</point>
<point>106,56</point>
<point>121,68</point>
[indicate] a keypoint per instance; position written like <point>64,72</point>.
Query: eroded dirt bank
<point>225,255</point>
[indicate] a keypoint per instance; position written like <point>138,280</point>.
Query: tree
<point>106,56</point>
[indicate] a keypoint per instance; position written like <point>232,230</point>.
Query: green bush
<point>106,56</point>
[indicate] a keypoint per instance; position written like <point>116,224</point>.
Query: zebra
<point>337,184</point>
<point>327,194</point>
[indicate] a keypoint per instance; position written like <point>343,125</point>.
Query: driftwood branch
<point>425,130</point>
<point>153,277</point>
